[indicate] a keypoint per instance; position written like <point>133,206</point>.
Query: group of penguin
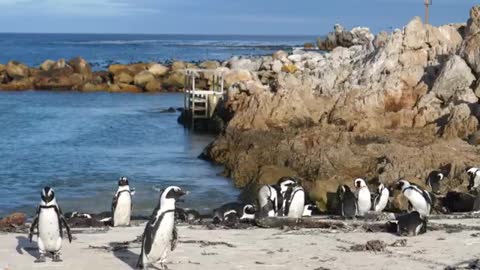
<point>285,198</point>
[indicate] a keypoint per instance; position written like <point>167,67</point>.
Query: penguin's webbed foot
<point>40,259</point>
<point>56,258</point>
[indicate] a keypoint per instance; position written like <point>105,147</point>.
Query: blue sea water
<point>81,143</point>
<point>103,49</point>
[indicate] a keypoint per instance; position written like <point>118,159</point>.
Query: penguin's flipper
<point>174,238</point>
<point>64,221</point>
<point>114,204</point>
<point>34,225</point>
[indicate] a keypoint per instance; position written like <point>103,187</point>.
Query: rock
<point>158,70</point>
<point>13,220</point>
<point>47,65</point>
<point>80,66</point>
<point>153,86</point>
<point>123,87</point>
<point>117,68</point>
<point>60,64</point>
<point>308,46</point>
<point>123,77</point>
<point>244,63</point>
<point>90,87</point>
<point>380,40</point>
<point>143,78</point>
<point>280,55</point>
<point>460,123</point>
<point>20,84</point>
<point>174,81</point>
<point>289,68</point>
<point>209,65</point>
<point>295,58</point>
<point>277,66</point>
<point>17,70</point>
<point>471,45</point>
<point>2,68</point>
<point>178,66</point>
<point>415,34</point>
<point>237,75</point>
<point>455,76</point>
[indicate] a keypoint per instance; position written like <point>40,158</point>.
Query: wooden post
<point>427,4</point>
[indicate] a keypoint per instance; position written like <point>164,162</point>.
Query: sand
<point>254,248</point>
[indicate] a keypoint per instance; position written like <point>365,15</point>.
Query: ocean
<point>81,143</point>
<point>102,50</point>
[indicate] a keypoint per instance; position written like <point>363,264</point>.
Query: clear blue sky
<point>218,16</point>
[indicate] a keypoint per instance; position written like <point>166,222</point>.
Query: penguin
<point>187,215</point>
<point>473,178</point>
<point>160,235</point>
<point>49,222</point>
<point>411,224</point>
<point>381,199</point>
<point>310,210</point>
<point>122,204</point>
<point>433,181</point>
<point>364,200</point>
<point>420,200</point>
<point>271,197</point>
<point>348,202</point>
<point>294,202</point>
<point>233,212</point>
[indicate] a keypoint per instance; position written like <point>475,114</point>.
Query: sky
<point>264,17</point>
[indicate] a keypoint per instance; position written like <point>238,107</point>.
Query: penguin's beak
<point>180,194</point>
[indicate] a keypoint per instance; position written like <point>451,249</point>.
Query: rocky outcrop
<point>471,45</point>
<point>400,108</point>
<point>341,38</point>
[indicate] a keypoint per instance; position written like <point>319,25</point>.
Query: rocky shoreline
<point>398,106</point>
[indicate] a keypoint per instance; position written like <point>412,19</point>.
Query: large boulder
<point>209,65</point>
<point>19,84</point>
<point>123,87</point>
<point>123,77</point>
<point>80,66</point>
<point>415,34</point>
<point>153,86</point>
<point>237,75</point>
<point>143,78</point>
<point>91,87</point>
<point>245,63</point>
<point>174,81</point>
<point>47,65</point>
<point>471,47</point>
<point>454,76</point>
<point>13,220</point>
<point>158,70</point>
<point>17,70</point>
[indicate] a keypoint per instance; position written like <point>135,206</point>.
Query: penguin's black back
<point>409,223</point>
<point>348,202</point>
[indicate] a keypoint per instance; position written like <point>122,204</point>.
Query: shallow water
<point>81,143</point>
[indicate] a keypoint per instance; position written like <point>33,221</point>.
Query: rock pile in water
<point>400,108</point>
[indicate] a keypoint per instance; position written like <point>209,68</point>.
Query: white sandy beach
<point>254,249</point>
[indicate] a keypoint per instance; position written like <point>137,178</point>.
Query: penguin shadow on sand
<point>127,256</point>
<point>24,245</point>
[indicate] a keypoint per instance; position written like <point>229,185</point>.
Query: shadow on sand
<point>24,244</point>
<point>127,256</point>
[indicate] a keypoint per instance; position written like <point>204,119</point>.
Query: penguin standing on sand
<point>364,200</point>
<point>160,235</point>
<point>294,202</point>
<point>411,224</point>
<point>49,222</point>
<point>418,199</point>
<point>271,197</point>
<point>347,202</point>
<point>122,204</point>
<point>381,199</point>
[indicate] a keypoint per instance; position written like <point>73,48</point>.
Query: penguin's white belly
<point>123,211</point>
<point>418,202</point>
<point>297,205</point>
<point>382,202</point>
<point>162,243</point>
<point>49,230</point>
<point>364,201</point>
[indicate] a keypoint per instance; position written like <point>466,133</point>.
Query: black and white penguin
<point>473,178</point>
<point>294,202</point>
<point>381,199</point>
<point>310,210</point>
<point>419,199</point>
<point>233,212</point>
<point>364,200</point>
<point>187,215</point>
<point>347,202</point>
<point>411,224</point>
<point>49,222</point>
<point>122,204</point>
<point>271,198</point>
<point>160,235</point>
<point>434,180</point>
